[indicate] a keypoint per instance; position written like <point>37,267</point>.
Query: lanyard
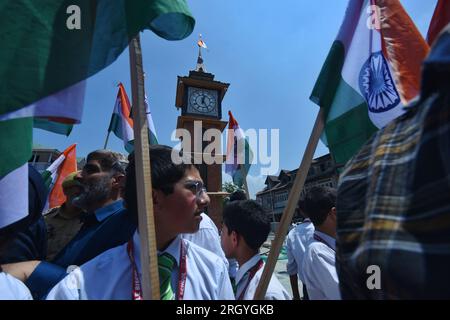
<point>253,271</point>
<point>320,239</point>
<point>136,283</point>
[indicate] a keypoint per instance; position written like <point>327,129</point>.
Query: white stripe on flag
<point>14,196</point>
<point>67,103</point>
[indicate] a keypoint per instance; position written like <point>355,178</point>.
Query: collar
<point>106,211</point>
<point>330,240</point>
<point>173,249</point>
<point>306,220</point>
<point>247,266</point>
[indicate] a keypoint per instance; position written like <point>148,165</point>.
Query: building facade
<point>274,197</point>
<point>41,158</point>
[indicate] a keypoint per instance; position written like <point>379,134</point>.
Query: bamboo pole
<point>106,141</point>
<point>149,261</point>
<point>294,197</point>
<point>244,173</point>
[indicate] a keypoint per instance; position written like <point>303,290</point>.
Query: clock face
<point>203,101</point>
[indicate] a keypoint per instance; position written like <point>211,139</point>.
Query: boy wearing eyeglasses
<point>186,271</point>
<point>245,228</point>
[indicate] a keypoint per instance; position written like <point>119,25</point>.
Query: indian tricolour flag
<point>49,48</point>
<point>239,155</point>
<point>372,71</point>
<point>55,174</point>
<point>122,123</point>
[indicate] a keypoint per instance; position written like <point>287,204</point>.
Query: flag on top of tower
<point>201,43</point>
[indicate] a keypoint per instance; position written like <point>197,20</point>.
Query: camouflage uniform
<point>60,230</point>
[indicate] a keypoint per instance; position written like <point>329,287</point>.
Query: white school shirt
<point>319,269</point>
<point>109,275</point>
<point>208,238</point>
<point>275,290</point>
<point>296,245</point>
<point>12,288</point>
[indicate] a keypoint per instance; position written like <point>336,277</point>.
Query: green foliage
<point>229,187</point>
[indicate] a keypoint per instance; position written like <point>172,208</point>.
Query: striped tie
<point>234,285</point>
<point>165,265</point>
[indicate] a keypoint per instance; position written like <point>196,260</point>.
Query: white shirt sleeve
<point>225,288</point>
<point>69,288</point>
<point>291,266</point>
<point>12,288</point>
<point>322,274</point>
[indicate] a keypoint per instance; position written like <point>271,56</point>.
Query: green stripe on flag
<point>329,78</point>
<point>55,127</point>
<point>41,56</point>
<point>116,125</point>
<point>347,124</point>
<point>347,133</point>
<point>152,139</point>
<point>15,144</point>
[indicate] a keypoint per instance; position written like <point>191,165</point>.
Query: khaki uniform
<point>60,230</point>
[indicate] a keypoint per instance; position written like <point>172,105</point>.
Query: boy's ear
<point>333,211</point>
<point>156,196</point>
<point>235,238</point>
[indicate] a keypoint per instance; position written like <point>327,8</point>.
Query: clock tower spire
<point>200,97</point>
<point>201,44</point>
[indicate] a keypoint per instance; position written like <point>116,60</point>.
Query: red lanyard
<point>136,283</point>
<point>253,271</point>
<point>320,239</point>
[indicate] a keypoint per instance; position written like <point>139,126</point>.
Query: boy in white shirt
<point>186,271</point>
<point>296,245</point>
<point>319,270</point>
<point>245,228</point>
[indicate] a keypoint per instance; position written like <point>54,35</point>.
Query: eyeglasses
<point>196,187</point>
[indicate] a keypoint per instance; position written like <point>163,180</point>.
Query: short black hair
<point>108,160</point>
<point>248,219</point>
<point>165,173</point>
<point>238,195</point>
<point>317,203</point>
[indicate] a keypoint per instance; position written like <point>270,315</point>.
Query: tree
<point>231,188</point>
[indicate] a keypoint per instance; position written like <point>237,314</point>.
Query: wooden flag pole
<point>294,197</point>
<point>149,262</point>
<point>244,173</point>
<point>106,141</point>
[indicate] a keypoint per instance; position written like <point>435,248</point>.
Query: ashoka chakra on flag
<point>376,84</point>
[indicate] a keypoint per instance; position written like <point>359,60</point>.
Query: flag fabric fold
<point>152,137</point>
<point>371,72</point>
<point>55,174</point>
<point>441,17</point>
<point>46,58</point>
<point>122,123</point>
<point>202,44</point>
<point>239,155</point>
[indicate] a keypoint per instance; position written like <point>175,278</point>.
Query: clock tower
<point>199,97</point>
